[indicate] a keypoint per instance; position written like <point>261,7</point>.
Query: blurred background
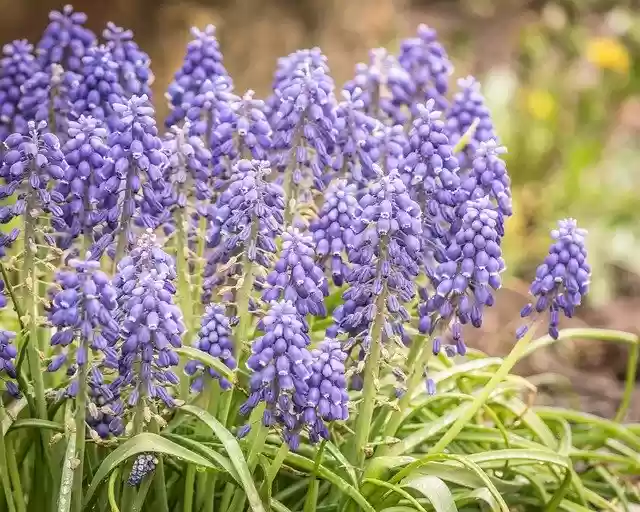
<point>562,78</point>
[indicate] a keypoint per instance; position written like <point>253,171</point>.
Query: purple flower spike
<point>332,229</point>
<point>85,153</point>
<point>248,216</point>
<point>562,280</point>
<point>467,107</point>
<point>151,324</point>
<point>82,313</point>
<point>202,63</point>
<point>386,87</point>
<point>133,179</point>
<point>467,273</point>
<point>29,165</point>
<point>426,61</point>
<point>280,365</point>
<point>327,399</point>
<point>16,67</point>
<point>65,40</point>
<point>296,277</point>
<point>8,352</point>
<point>98,87</point>
<point>105,413</point>
<point>303,126</point>
<point>214,338</point>
<point>134,65</point>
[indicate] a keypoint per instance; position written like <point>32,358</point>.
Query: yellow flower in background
<point>608,53</point>
<point>540,104</point>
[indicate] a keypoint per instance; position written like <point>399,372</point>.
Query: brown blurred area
<point>254,33</point>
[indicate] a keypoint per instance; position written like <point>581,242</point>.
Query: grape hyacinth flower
<point>202,63</point>
<point>304,138</point>
<point>133,182</point>
<point>151,324</point>
<point>246,219</point>
<point>8,352</point>
<point>562,280</point>
<point>428,65</point>
<point>280,367</point>
<point>144,465</point>
<point>65,40</point>
<point>85,153</point>
<point>81,311</point>
<point>242,131</point>
<point>327,399</point>
<point>467,272</point>
<point>214,338</point>
<point>332,228</point>
<point>468,106</point>
<point>104,415</point>
<point>98,87</point>
<point>134,65</point>
<point>296,277</point>
<point>16,67</point>
<point>386,87</point>
<point>30,163</point>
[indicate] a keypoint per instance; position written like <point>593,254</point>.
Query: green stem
<point>290,194</point>
<point>276,464</point>
<point>122,242</point>
<point>478,402</point>
<point>138,422</point>
<point>630,382</point>
<point>371,372</point>
<point>158,477</point>
<point>311,501</point>
<point>14,473</point>
<point>206,489</point>
<point>81,406</point>
<point>112,493</point>
<point>199,262</point>
<point>184,294</point>
<point>189,482</point>
<point>4,467</point>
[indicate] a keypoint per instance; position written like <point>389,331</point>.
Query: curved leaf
<point>66,480</point>
<point>145,442</point>
<point>36,423</point>
<point>481,494</point>
<point>207,360</point>
<point>337,454</point>
<point>278,507</point>
<point>398,490</point>
<point>434,489</point>
<point>233,451</point>
<point>205,451</point>
<point>12,410</point>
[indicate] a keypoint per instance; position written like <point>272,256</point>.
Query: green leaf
<point>233,451</point>
<point>338,455</point>
<point>12,411</point>
<point>36,423</point>
<point>205,451</point>
<point>434,489</point>
<point>207,360</point>
<point>145,442</point>
<point>472,497</point>
<point>398,490</point>
<point>497,458</point>
<point>66,479</point>
<point>278,507</point>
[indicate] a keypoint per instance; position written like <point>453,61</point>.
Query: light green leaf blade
<point>66,479</point>
<point>434,489</point>
<point>208,360</point>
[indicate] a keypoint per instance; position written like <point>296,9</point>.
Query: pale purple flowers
<point>151,324</point>
<point>8,352</point>
<point>214,338</point>
<point>296,277</point>
<point>82,313</point>
<point>562,280</point>
<point>16,66</point>
<point>280,367</point>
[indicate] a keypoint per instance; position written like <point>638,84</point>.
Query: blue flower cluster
<point>562,280</point>
<point>17,66</point>
<point>82,313</point>
<point>144,465</point>
<point>150,323</point>
<point>8,352</point>
<point>214,338</point>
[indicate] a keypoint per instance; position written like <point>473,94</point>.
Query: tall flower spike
<point>468,271</point>
<point>246,219</point>
<point>134,65</point>
<point>16,66</point>
<point>98,88</point>
<point>327,399</point>
<point>280,367</point>
<point>8,352</point>
<point>426,61</point>
<point>304,133</point>
<point>151,324</point>
<point>133,179</point>
<point>81,313</point>
<point>214,338</point>
<point>562,280</point>
<point>296,277</point>
<point>386,87</point>
<point>468,106</point>
<point>65,40</point>
<point>242,131</point>
<point>31,162</point>
<point>202,63</point>
<point>85,152</point>
<point>143,465</point>
<point>332,228</point>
